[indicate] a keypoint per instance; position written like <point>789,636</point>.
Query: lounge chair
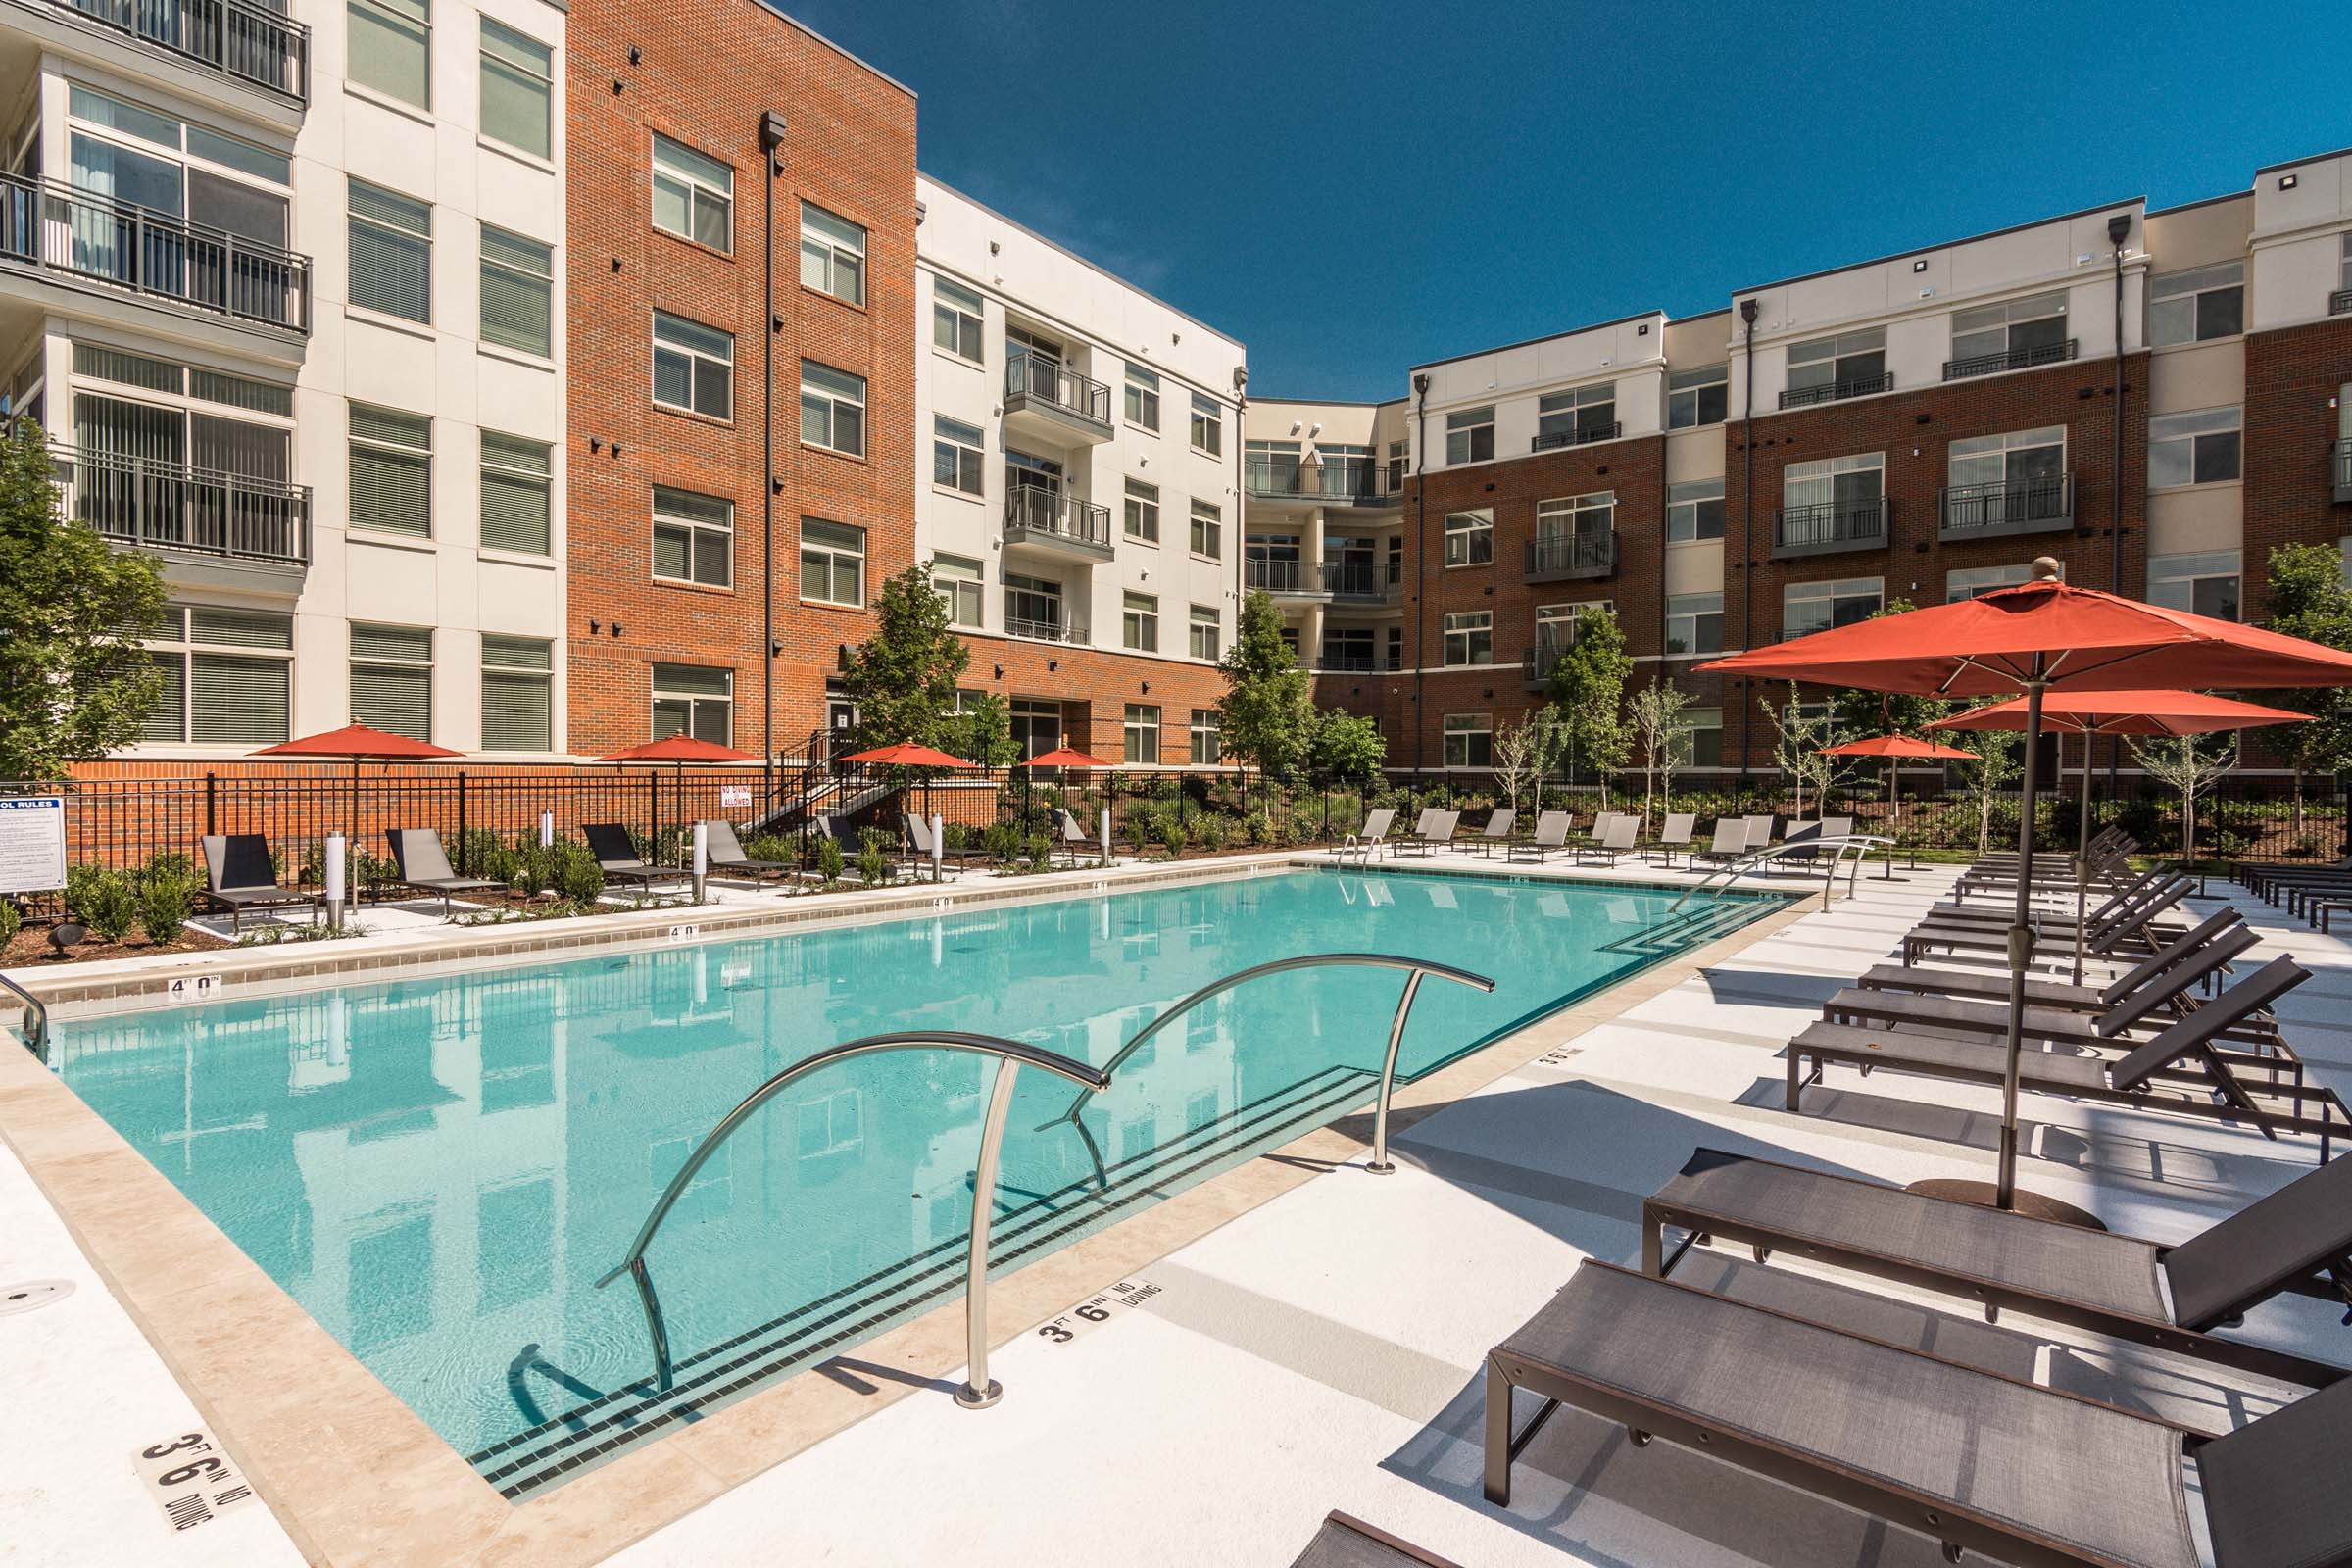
<point>1729,842</point>
<point>1496,831</point>
<point>425,865</point>
<point>1674,835</point>
<point>726,854</point>
<point>2055,941</point>
<point>1434,830</point>
<point>1759,831</point>
<point>1345,1542</point>
<point>918,834</point>
<point>1798,851</point>
<point>617,857</point>
<point>1373,833</point>
<point>1979,1461</point>
<point>2226,928</point>
<point>1074,841</point>
<point>1551,833</point>
<point>2170,1296</point>
<point>1837,827</point>
<point>2004,910</point>
<point>2155,1076</point>
<point>239,876</point>
<point>1613,843</point>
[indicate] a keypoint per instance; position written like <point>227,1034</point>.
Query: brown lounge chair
<point>239,876</point>
<point>726,854</point>
<point>1551,833</point>
<point>1497,830</point>
<point>1977,1462</point>
<point>2101,938</point>
<point>1345,1542</point>
<point>2297,1241</point>
<point>617,857</point>
<point>2222,926</point>
<point>425,865</point>
<point>1434,830</point>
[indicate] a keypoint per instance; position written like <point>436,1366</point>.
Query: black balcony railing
<point>2008,359</point>
<point>1348,663</point>
<point>1057,517</point>
<point>1274,576</point>
<point>1537,664</point>
<point>1364,580</point>
<point>1036,378</point>
<point>171,505</point>
<point>1573,554</point>
<point>1829,525</point>
<point>1582,435</point>
<point>2343,471</point>
<point>1341,482</point>
<point>1797,397</point>
<point>249,42</point>
<point>58,229</point>
<point>2008,506</point>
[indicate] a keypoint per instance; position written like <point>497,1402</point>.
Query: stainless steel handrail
<point>37,1013</point>
<point>978,1392</point>
<point>1387,1068</point>
<point>1861,843</point>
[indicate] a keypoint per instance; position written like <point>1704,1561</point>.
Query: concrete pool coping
<point>355,1475</point>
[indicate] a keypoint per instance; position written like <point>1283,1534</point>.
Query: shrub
<point>1002,840</point>
<point>163,906</point>
<point>81,881</point>
<point>533,866</point>
<point>572,871</point>
<point>1038,853</point>
<point>369,872</point>
<point>955,837</point>
<point>828,859</point>
<point>1260,828</point>
<point>874,857</point>
<point>12,921</point>
<point>772,847</point>
<point>109,905</point>
<point>1210,829</point>
<point>169,865</point>
<point>1169,831</point>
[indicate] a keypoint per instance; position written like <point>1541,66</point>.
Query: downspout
<point>1240,520</point>
<point>2119,227</point>
<point>1747,527</point>
<point>1420,560</point>
<point>771,141</point>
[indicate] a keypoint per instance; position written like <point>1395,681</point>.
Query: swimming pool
<point>439,1169</point>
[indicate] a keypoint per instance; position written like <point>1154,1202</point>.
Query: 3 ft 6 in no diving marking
<point>1097,1311</point>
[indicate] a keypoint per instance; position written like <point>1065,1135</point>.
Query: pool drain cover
<point>32,1295</point>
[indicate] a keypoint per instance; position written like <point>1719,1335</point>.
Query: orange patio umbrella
<point>906,754</point>
<point>1894,746</point>
<point>679,750</point>
<point>1066,757</point>
<point>361,743</point>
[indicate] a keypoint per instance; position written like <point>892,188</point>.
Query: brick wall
<point>1095,686</point>
<point>2292,379</point>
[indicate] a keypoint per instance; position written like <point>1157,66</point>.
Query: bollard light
<point>335,844</point>
<point>547,830</point>
<point>1107,835</point>
<point>702,858</point>
<point>936,826</point>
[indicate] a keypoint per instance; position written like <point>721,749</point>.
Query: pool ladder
<point>36,1021</point>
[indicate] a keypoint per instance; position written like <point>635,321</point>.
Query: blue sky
<point>1353,188</point>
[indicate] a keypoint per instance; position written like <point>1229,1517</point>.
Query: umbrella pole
<point>1892,769</point>
<point>2083,856</point>
<point>2021,941</point>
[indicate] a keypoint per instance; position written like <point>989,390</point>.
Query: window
<point>2199,447</point>
<point>1036,727</point>
<point>956,320</point>
<point>832,563</point>
<point>391,471</point>
<point>1470,537</point>
<point>1470,637</point>
<point>1811,606</point>
<point>228,676</point>
<point>957,583</point>
<point>391,253</point>
<point>388,48</point>
<point>1207,746</point>
<point>517,476</point>
<point>1698,397</point>
<point>2016,459</point>
<point>1833,498</point>
<point>1143,733</point>
<point>1139,622</point>
<point>1470,435</point>
<point>1143,398</point>
<point>1209,425</point>
<point>2204,584</point>
<point>1469,740</point>
<point>2009,335</point>
<point>1702,732</point>
<point>694,196</point>
<point>1846,366</point>
<point>694,700</point>
<point>1033,609</point>
<point>518,283</point>
<point>832,254</point>
<point>694,367</point>
<point>1209,530</point>
<point>957,455</point>
<point>1398,466</point>
<point>1347,647</point>
<point>392,679</point>
<point>1970,582</point>
<point>1695,623</point>
<point>518,694</point>
<point>1571,517</point>
<point>1571,418</point>
<point>693,538</point>
<point>2202,302</point>
<point>1143,512</point>
<point>1206,634</point>
<point>1693,511</point>
<point>832,408</point>
<point>517,88</point>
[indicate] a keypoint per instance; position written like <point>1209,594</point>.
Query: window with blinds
<point>391,253</point>
<point>102,364</point>
<point>516,475</point>
<point>517,88</point>
<point>392,679</point>
<point>694,700</point>
<point>518,291</point>
<point>228,676</point>
<point>238,392</point>
<point>389,48</point>
<point>693,538</point>
<point>391,471</point>
<point>694,367</point>
<point>518,694</point>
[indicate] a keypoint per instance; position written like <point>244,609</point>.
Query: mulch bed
<point>31,950</point>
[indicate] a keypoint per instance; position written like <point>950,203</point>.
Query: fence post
<point>462,868</point>
<point>212,802</point>
<point>653,812</point>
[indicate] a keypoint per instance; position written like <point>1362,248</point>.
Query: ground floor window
<point>1143,733</point>
<point>1469,740</point>
<point>1036,727</point>
<point>2205,584</point>
<point>518,694</point>
<point>1205,746</point>
<point>392,679</point>
<point>228,676</point>
<point>694,700</point>
<point>1702,731</point>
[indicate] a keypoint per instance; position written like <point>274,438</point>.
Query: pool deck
<point>1315,1342</point>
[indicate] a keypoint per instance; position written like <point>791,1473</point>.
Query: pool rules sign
<point>32,842</point>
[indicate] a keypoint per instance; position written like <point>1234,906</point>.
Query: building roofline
<point>1090,265</point>
<point>1330,403</point>
<point>1525,342</point>
<point>1942,245</point>
<point>2297,163</point>
<point>1698,316</point>
<point>2202,201</point>
<point>795,22</point>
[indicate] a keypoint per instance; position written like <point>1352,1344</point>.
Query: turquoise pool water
<point>439,1169</point>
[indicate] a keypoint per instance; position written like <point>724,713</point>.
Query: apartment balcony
<point>77,239</point>
<point>2010,507</point>
<point>1571,557</point>
<point>1044,631</point>
<point>142,503</point>
<point>1798,397</point>
<point>2339,303</point>
<point>1058,525</point>
<point>2343,471</point>
<point>2008,359</point>
<point>1359,582</point>
<point>236,39</point>
<point>1352,664</point>
<point>1583,435</point>
<point>1828,527</point>
<point>1537,664</point>
<point>1048,400</point>
<point>1284,579</point>
<point>1317,484</point>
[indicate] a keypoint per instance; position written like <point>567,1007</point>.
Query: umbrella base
<point>2033,1205</point>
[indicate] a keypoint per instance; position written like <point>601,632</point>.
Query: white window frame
<point>1470,537</point>
<point>2176,304</point>
<point>1692,722</point>
<point>1140,730</point>
<point>1976,329</point>
<point>696,526</point>
<point>959,320</point>
<point>1967,582</point>
<point>355,661</point>
<point>1205,530</point>
<point>393,15</point>
<point>1687,396</point>
<point>1829,591</point>
<point>1688,612</point>
<point>694,175</point>
<point>834,249</point>
<point>961,451</point>
<point>180,642</point>
<point>521,258</point>
<point>527,61</point>
<point>961,585</point>
<point>1205,634</point>
<point>2173,579</point>
<point>1468,639</point>
<point>1834,351</point>
<point>2196,436</point>
<point>831,542</point>
<point>1139,399</point>
<point>537,668</point>
<point>695,701</point>
<point>1682,504</point>
<point>1207,426</point>
<point>1139,510</point>
<point>1465,728</point>
<point>828,400</point>
<point>1470,436</point>
<point>1139,622</point>
<point>1562,414</point>
<point>1208,737</point>
<point>696,355</point>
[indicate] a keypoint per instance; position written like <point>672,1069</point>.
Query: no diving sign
<point>32,842</point>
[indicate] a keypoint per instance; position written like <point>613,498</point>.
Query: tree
<point>1588,688</point>
<point>1347,745</point>
<point>903,678</point>
<point>1994,761</point>
<point>2183,763</point>
<point>1797,746</point>
<point>2307,599</point>
<point>1526,754</point>
<point>1268,718</point>
<point>75,682</point>
<point>983,732</point>
<point>1656,711</point>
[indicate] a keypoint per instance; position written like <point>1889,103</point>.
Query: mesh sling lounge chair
<point>1612,843</point>
<point>1375,832</point>
<point>1073,841</point>
<point>239,876</point>
<point>2224,926</point>
<point>1975,1460</point>
<point>2004,909</point>
<point>1674,835</point>
<point>725,848</point>
<point>918,833</point>
<point>1729,844</point>
<point>2297,1241</point>
<point>1551,833</point>
<point>1496,831</point>
<point>1759,830</point>
<point>1346,1542</point>
<point>1434,830</point>
<point>2155,1076</point>
<point>2055,940</point>
<point>425,865</point>
<point>617,857</point>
